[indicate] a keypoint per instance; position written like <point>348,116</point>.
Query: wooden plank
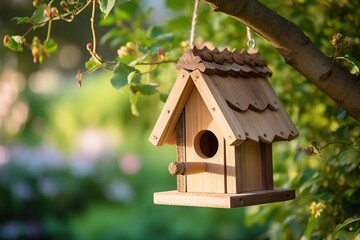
<point>267,166</point>
<point>181,150</point>
<point>187,168</point>
<point>163,131</point>
<point>243,92</point>
<point>219,109</point>
<point>199,121</point>
<point>223,200</point>
<point>283,115</point>
<point>231,169</point>
<point>250,167</point>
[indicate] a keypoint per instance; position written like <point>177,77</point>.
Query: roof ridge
<point>244,63</point>
<point>243,57</point>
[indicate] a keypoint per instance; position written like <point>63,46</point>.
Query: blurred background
<point>76,164</point>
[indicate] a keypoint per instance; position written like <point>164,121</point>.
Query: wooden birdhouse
<point>223,116</point>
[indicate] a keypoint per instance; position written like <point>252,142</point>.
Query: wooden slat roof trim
<point>164,129</point>
<point>235,63</point>
<point>257,109</point>
<point>242,94</point>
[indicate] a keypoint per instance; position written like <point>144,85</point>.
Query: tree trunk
<point>297,50</point>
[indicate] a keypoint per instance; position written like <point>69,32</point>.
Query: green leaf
<point>134,77</point>
<point>134,97</point>
<point>22,20</point>
<point>91,64</point>
<point>108,21</point>
<point>38,15</point>
<point>343,232</point>
<point>351,60</point>
<point>120,77</point>
<point>15,43</point>
<point>163,97</point>
<point>145,89</point>
<point>51,46</point>
<point>122,14</point>
<point>157,33</point>
<point>106,6</point>
<point>166,37</point>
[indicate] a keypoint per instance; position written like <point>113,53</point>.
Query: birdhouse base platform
<point>216,200</point>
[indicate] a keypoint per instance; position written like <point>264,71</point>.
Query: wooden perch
<point>297,50</point>
<point>187,168</point>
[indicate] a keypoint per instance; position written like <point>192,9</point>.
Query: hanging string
<point>193,24</point>
<point>251,43</point>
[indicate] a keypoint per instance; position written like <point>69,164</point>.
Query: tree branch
<point>297,50</point>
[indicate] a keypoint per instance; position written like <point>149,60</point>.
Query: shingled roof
<point>234,83</point>
<point>234,63</point>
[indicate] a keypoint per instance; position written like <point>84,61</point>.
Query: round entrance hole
<point>206,144</point>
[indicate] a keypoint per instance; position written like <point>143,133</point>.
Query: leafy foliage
<point>350,229</point>
<point>106,6</point>
<point>121,73</point>
<point>15,43</point>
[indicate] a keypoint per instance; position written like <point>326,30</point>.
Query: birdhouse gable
<point>165,127</point>
<point>235,89</point>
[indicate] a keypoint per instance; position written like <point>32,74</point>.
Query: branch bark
<point>297,50</point>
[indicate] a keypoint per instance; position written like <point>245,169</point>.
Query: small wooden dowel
<point>187,168</point>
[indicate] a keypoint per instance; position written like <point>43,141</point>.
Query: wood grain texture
<point>223,200</point>
<point>198,121</point>
<point>187,168</point>
<point>181,150</point>
<point>250,177</point>
<point>257,109</point>
<point>266,166</point>
<point>164,129</point>
<point>220,111</point>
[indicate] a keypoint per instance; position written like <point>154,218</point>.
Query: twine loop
<point>251,43</point>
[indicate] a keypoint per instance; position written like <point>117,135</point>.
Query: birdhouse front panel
<point>205,144</point>
<point>224,116</point>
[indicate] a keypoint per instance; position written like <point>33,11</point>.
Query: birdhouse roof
<point>236,91</point>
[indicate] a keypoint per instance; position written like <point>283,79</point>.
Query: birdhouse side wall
<point>249,156</point>
<point>249,167</point>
